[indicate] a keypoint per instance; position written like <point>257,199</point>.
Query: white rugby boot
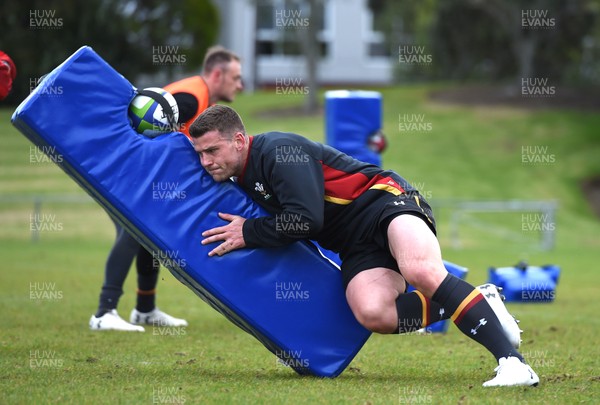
<point>112,321</point>
<point>512,372</point>
<point>155,317</point>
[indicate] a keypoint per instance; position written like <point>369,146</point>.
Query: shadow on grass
<point>404,377</point>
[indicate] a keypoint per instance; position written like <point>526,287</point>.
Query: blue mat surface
<point>291,299</point>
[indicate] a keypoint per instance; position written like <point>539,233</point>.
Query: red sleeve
<point>5,80</point>
<point>8,72</point>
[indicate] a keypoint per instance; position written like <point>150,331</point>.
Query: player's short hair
<point>217,56</point>
<point>217,117</point>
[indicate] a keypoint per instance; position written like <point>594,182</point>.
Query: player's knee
<point>376,317</point>
<point>425,275</point>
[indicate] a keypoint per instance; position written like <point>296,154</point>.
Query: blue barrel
<point>351,117</point>
<point>524,283</point>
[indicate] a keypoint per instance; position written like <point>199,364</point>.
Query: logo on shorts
<point>261,189</point>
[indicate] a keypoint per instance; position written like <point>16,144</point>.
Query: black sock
<point>473,315</point>
<point>109,299</point>
<point>147,269</point>
<point>115,271</point>
<point>415,311</point>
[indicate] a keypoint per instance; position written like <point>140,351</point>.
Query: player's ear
<point>240,140</point>
<point>217,74</point>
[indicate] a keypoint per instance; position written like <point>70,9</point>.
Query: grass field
<point>49,287</point>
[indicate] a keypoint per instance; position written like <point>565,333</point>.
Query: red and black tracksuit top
<point>312,191</point>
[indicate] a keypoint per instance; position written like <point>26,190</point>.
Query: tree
<point>39,35</point>
<point>533,28</point>
<point>493,39</point>
<point>310,47</point>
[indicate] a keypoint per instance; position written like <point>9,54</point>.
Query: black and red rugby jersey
<point>311,190</point>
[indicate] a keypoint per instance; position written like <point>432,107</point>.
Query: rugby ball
<point>153,111</point>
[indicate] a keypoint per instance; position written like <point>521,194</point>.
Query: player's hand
<point>231,235</point>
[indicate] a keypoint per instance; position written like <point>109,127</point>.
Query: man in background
<point>220,80</point>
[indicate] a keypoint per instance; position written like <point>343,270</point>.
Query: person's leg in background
<point>146,311</point>
<point>116,269</point>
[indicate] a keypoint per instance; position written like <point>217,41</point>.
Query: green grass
<point>47,354</point>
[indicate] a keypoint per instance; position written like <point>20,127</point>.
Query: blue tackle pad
<point>524,283</point>
<point>291,299</point>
